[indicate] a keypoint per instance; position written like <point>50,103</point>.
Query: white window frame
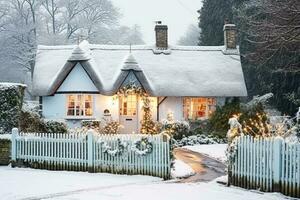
<point>80,108</point>
<point>208,107</point>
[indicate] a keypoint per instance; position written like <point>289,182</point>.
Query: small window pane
<point>79,105</point>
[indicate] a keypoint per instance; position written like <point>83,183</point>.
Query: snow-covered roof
<point>178,71</point>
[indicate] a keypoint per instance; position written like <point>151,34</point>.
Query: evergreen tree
<point>148,125</point>
<point>213,15</point>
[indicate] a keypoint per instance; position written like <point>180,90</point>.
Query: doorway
<point>129,114</point>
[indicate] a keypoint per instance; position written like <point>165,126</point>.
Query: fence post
<point>90,138</point>
<point>278,141</point>
<point>14,135</point>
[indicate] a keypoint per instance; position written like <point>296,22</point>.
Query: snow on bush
<point>30,121</point>
<point>200,139</point>
<point>11,98</point>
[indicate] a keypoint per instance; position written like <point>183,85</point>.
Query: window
<point>198,108</point>
<point>79,105</point>
<point>128,105</point>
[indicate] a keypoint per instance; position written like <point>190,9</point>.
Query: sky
<point>177,14</point>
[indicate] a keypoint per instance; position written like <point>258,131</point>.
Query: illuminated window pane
<point>79,105</point>
<point>128,105</point>
<point>198,108</point>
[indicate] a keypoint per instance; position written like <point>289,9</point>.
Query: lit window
<point>128,105</point>
<point>79,105</point>
<point>198,108</point>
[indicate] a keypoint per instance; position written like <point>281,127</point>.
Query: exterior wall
<point>77,80</point>
<point>171,104</point>
<point>54,107</point>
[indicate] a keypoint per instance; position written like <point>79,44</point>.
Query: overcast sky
<point>177,14</point>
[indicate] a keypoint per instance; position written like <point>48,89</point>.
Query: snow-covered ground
<point>181,170</point>
<point>216,151</point>
<point>42,184</point>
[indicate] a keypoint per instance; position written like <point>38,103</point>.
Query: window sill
<point>80,118</point>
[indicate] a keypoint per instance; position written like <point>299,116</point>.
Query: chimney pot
<point>161,34</point>
<point>230,36</point>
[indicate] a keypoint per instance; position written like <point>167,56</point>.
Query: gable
<point>77,80</point>
<point>131,79</point>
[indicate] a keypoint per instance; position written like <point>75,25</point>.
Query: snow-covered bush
<point>32,122</point>
<point>176,129</point>
<point>55,126</point>
<point>200,139</point>
<point>91,123</point>
<point>11,98</point>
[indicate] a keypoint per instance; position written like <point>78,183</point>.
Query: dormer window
<point>79,105</point>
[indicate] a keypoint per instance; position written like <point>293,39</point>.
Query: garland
<point>131,88</point>
<point>114,152</point>
<point>145,144</point>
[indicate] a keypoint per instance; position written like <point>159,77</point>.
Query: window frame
<point>209,107</point>
<point>81,107</point>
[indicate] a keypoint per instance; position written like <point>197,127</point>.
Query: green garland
<point>131,89</point>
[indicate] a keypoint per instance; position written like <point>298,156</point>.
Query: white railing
<point>89,152</point>
<point>268,164</point>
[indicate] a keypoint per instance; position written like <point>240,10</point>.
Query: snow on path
<point>216,151</point>
<point>181,170</point>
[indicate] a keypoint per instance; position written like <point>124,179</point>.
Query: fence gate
<point>267,164</point>
<point>120,154</point>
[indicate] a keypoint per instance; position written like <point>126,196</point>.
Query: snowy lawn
<point>181,170</point>
<point>42,184</point>
<point>216,151</point>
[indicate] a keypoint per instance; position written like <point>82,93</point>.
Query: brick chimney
<point>161,34</point>
<point>230,36</point>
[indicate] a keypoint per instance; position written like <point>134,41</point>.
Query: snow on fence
<point>120,154</point>
<point>268,164</point>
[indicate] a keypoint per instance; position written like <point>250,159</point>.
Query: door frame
<point>137,116</point>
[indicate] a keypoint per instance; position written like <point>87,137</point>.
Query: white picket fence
<point>86,152</point>
<point>268,164</point>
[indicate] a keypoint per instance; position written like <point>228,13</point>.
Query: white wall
<point>78,80</point>
<point>54,107</point>
<point>171,104</point>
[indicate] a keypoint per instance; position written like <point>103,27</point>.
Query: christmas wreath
<point>142,147</point>
<point>114,152</point>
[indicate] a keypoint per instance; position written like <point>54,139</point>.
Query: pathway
<point>206,169</point>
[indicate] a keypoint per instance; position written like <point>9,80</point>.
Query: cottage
<point>79,82</point>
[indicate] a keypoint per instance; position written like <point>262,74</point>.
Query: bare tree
<point>273,28</point>
<point>98,13</point>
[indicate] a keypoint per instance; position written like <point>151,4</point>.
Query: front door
<point>129,114</point>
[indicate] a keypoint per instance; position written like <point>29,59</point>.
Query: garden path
<point>206,169</point>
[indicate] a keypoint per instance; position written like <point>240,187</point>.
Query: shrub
<point>200,139</point>
<point>11,98</point>
<point>112,127</point>
<point>176,129</point>
<point>95,124</point>
<point>55,127</point>
<point>32,122</point>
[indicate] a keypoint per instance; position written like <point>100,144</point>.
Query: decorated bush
<point>11,98</point>
<point>112,127</point>
<point>176,129</point>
